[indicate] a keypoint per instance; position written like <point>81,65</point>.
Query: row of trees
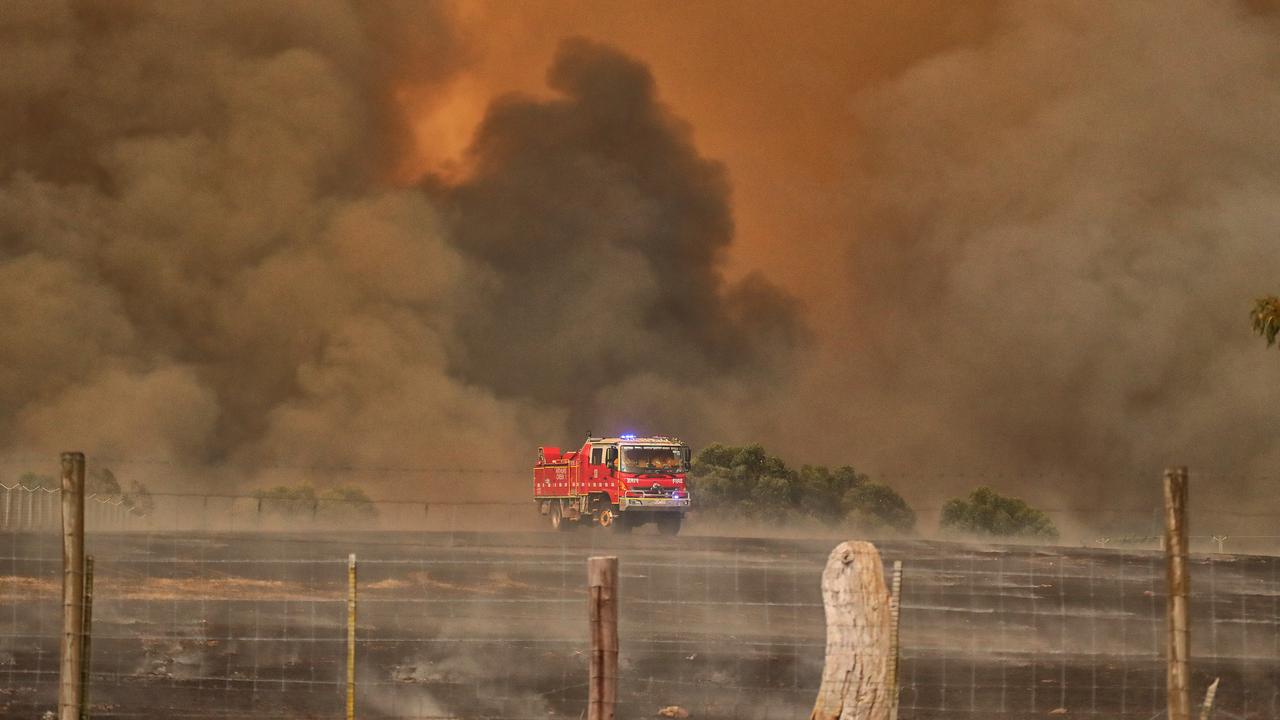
<point>741,481</point>
<point>748,482</point>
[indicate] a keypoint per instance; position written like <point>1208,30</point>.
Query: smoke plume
<point>603,232</point>
<point>204,258</point>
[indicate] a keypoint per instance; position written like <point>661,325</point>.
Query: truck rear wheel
<point>558,520</point>
<point>669,524</point>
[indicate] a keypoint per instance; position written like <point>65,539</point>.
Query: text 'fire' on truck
<point>616,482</point>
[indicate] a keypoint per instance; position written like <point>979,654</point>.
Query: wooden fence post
<point>1175,531</point>
<point>856,673</point>
<point>602,584</point>
<point>351,636</point>
<point>69,690</point>
<point>88,637</point>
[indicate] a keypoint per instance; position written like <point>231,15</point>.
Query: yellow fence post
<point>351,636</point>
<point>895,619</point>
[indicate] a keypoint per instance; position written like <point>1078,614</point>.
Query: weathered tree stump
<point>856,677</point>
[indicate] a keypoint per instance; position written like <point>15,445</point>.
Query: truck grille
<point>654,490</point>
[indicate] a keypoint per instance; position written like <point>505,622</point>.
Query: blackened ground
<point>476,625</point>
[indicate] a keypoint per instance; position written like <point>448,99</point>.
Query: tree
<point>743,479</point>
<point>102,481</point>
<point>986,512</point>
<point>139,498</point>
<point>287,499</point>
<point>303,500</point>
<point>875,506</point>
<point>1266,318</point>
<point>750,482</point>
<point>822,492</point>
<point>347,500</point>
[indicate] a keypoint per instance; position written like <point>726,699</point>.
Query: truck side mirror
<point>611,458</point>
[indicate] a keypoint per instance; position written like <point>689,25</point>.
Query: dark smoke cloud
<point>605,231</point>
<point>202,258</point>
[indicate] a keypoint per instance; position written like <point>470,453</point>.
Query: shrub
<point>745,480</point>
<point>348,500</point>
<point>823,492</point>
<point>748,481</point>
<point>876,506</point>
<point>986,512</point>
<point>303,500</point>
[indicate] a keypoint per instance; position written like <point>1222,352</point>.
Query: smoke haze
<point>1016,238</point>
<point>1059,232</point>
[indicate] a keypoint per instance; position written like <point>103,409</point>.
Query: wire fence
<point>30,508</point>
<point>455,624</point>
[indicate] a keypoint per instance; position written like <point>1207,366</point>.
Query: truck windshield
<point>659,459</point>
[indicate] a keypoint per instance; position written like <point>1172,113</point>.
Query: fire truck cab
<point>614,482</point>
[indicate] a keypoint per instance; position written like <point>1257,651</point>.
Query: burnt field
<point>473,625</point>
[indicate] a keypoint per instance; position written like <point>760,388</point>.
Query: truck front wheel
<point>669,524</point>
<point>623,522</point>
<point>609,519</point>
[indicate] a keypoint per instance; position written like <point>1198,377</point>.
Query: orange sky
<point>767,88</point>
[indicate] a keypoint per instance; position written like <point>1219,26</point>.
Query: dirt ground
<point>469,625</point>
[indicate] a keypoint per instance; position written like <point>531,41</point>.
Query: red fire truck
<point>614,482</point>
